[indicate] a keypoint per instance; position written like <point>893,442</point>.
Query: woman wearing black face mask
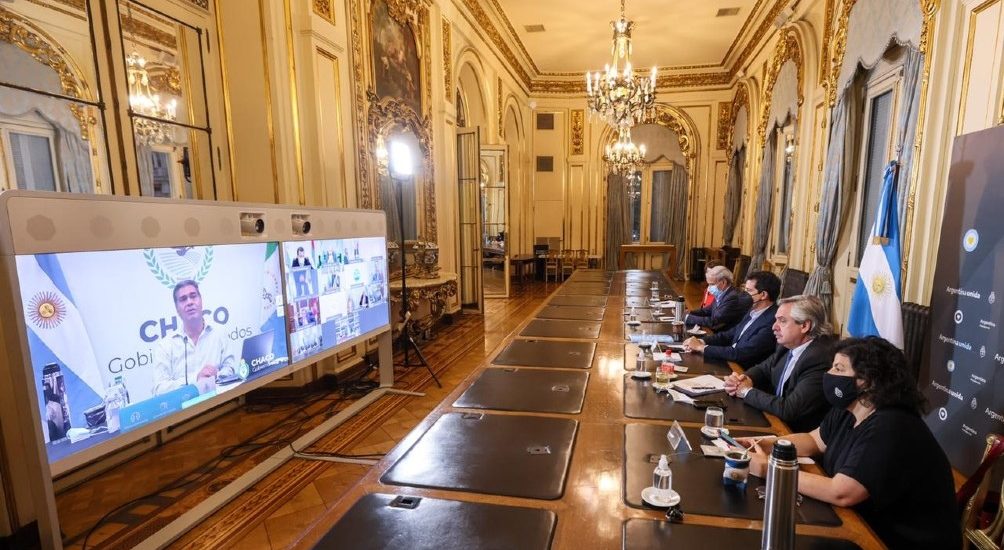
<point>878,454</point>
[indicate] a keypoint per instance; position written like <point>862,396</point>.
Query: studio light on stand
<point>402,169</point>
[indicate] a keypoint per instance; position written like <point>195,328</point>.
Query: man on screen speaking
<point>196,355</point>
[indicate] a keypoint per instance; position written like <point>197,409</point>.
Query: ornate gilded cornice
<point>578,131</point>
<point>689,80</point>
<point>132,26</point>
<point>448,59</point>
<point>724,117</point>
<point>324,10</point>
<point>481,16</point>
<point>741,99</point>
<point>672,118</point>
<point>401,10</point>
<point>786,49</point>
<point>928,8</point>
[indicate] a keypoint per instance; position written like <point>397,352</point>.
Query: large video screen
<point>336,290</point>
<point>118,339</point>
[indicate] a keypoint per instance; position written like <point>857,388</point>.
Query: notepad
<point>700,385</point>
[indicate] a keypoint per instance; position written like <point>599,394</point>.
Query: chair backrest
<point>793,282</point>
<point>742,267</point>
<point>972,496</point>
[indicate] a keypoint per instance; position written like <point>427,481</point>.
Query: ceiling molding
<point>535,81</point>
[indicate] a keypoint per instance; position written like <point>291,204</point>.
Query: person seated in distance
<point>729,306</point>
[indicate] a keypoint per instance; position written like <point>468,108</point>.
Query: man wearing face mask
<point>878,454</point>
<point>729,306</point>
<point>788,383</point>
<point>752,340</point>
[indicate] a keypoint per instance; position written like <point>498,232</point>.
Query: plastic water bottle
<point>639,364</point>
<point>782,491</point>
<point>662,478</point>
<point>116,397</point>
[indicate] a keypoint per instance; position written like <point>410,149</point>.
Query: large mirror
<point>51,115</point>
<point>494,222</point>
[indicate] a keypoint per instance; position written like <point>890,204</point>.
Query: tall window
<point>880,104</point>
<point>31,157</point>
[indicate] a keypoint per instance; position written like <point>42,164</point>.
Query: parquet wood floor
<point>279,509</point>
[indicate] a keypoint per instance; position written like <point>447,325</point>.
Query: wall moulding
<point>578,131</point>
<point>324,10</point>
<point>724,128</point>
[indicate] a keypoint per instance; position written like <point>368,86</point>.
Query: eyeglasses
<point>754,292</point>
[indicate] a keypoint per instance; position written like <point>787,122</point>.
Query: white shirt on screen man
<point>171,361</point>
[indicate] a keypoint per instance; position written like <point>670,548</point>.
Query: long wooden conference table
<point>550,442</point>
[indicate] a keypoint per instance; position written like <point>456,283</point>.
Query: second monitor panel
<point>336,290</point>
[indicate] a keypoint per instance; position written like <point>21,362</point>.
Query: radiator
<point>916,321</point>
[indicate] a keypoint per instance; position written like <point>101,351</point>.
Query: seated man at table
<point>789,383</point>
<point>729,306</point>
<point>752,340</point>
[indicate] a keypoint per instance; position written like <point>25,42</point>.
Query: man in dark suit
<point>752,340</point>
<point>789,383</point>
<point>729,306</point>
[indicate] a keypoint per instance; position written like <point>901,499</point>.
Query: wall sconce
<point>381,155</point>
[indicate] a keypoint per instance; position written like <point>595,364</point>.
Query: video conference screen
<point>336,290</point>
<point>118,339</point>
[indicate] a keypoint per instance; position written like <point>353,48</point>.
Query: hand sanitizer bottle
<point>662,479</point>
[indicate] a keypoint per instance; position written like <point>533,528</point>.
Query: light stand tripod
<point>406,339</point>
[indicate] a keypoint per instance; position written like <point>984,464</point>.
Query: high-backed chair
<point>567,263</point>
<point>552,265</point>
<point>793,282</point>
<point>972,497</point>
<point>742,267</point>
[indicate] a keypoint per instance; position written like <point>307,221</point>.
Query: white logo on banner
<point>992,298</point>
<point>983,351</point>
<point>972,405</point>
<point>950,366</point>
<point>943,413</point>
<point>971,240</point>
<point>958,316</point>
<point>170,265</point>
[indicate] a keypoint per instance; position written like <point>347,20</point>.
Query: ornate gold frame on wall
<point>786,49</point>
<point>376,116</point>
<point>741,99</point>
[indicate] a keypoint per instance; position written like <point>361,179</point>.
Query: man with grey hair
<point>729,306</point>
<point>789,383</point>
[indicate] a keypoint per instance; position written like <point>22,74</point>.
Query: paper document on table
<point>700,385</point>
<point>661,338</point>
<point>713,451</point>
<point>680,397</point>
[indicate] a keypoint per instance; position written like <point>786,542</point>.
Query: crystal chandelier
<point>146,103</point>
<point>618,96</point>
<point>623,156</point>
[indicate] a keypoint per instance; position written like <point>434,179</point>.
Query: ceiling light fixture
<point>623,156</point>
<point>616,95</point>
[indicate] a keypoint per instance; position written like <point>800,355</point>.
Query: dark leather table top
<point>527,390</point>
<point>374,523</point>
<point>553,328</point>
<point>518,456</point>
<point>547,353</point>
<point>699,479</point>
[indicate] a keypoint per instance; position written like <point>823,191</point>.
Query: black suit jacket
<point>755,345</point>
<point>723,314</point>
<point>801,405</point>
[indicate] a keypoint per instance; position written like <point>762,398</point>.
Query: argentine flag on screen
<point>876,305</point>
<point>57,333</point>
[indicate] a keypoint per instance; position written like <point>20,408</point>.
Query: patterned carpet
<point>81,508</point>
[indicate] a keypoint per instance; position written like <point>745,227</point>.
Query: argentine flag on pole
<point>876,305</point>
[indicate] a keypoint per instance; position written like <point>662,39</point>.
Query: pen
<point>704,388</point>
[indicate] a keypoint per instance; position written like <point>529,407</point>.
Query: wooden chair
<point>581,260</point>
<point>552,265</point>
<point>972,496</point>
<point>567,263</point>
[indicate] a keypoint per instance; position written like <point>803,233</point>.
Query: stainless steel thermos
<point>782,491</point>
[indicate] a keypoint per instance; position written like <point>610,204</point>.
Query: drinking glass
<point>714,419</point>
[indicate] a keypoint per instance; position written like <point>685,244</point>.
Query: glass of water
<point>714,419</point>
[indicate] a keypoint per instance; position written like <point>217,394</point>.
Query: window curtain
<point>145,166</point>
<point>872,27</point>
<point>733,195</point>
<point>762,218</point>
<point>676,214</point>
<point>906,127</point>
<point>618,220</point>
<point>388,203</point>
